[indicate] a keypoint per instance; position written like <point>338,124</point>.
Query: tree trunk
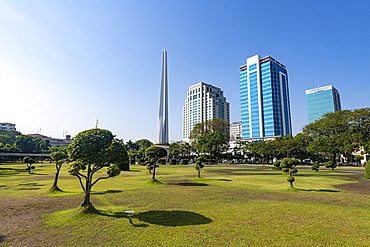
<point>55,185</point>
<point>291,184</point>
<point>153,176</point>
<point>199,173</point>
<point>87,191</point>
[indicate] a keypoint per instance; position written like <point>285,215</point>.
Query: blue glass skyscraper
<point>264,96</point>
<point>321,100</point>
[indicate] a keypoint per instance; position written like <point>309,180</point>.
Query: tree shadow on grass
<point>319,190</point>
<point>165,218</point>
<point>189,184</point>
<point>172,218</point>
<point>220,179</point>
<point>30,186</point>
<point>107,192</point>
<point>10,171</point>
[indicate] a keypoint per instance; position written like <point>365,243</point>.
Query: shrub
<point>330,164</point>
<point>212,161</point>
<point>162,161</point>
<point>315,167</point>
<point>367,170</point>
<point>276,165</point>
<point>123,166</point>
<point>184,162</point>
<point>173,161</point>
<point>132,161</point>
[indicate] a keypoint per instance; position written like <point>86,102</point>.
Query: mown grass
<point>232,205</point>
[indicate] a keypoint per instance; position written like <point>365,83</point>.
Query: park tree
<point>208,127</point>
<point>180,149</point>
<point>12,134</point>
<point>199,161</point>
<point>153,154</point>
<point>143,144</point>
<point>213,144</point>
<point>4,139</point>
<point>288,166</point>
<point>367,170</point>
<point>266,150</point>
<point>93,150</point>
<point>59,158</point>
<point>341,132</point>
<point>25,144</point>
<point>29,161</point>
<point>30,144</point>
<point>58,148</point>
<point>315,166</point>
<point>276,165</point>
<point>330,164</point>
<point>132,148</point>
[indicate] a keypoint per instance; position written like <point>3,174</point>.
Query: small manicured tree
<point>59,158</point>
<point>199,164</point>
<point>151,163</point>
<point>367,170</point>
<point>288,166</point>
<point>93,150</point>
<point>315,166</point>
<point>153,154</point>
<point>331,165</point>
<point>29,161</point>
<point>276,165</point>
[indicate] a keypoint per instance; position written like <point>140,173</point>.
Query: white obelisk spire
<point>162,127</point>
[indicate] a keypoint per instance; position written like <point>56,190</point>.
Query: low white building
<point>7,126</point>
<point>236,130</point>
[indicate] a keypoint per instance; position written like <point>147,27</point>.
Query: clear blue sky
<point>66,63</point>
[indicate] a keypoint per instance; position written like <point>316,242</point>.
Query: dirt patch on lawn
<point>20,217</point>
<point>361,187</point>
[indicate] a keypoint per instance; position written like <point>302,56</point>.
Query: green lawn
<point>231,205</point>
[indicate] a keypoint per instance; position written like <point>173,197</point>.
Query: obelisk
<point>162,126</point>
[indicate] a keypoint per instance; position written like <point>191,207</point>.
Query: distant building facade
<point>203,102</point>
<point>236,130</point>
<point>54,141</point>
<point>264,97</point>
<point>7,126</point>
<point>322,100</point>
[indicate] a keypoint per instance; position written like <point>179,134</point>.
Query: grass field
<point>231,205</point>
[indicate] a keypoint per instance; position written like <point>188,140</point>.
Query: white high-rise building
<point>203,102</point>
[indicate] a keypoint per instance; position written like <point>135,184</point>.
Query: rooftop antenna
<point>97,123</point>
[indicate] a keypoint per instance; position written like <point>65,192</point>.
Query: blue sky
<point>64,64</point>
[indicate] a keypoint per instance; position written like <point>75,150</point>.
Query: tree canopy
<point>213,144</point>
<point>208,127</point>
<point>153,154</point>
<point>93,150</point>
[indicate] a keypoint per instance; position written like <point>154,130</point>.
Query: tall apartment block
<point>264,96</point>
<point>203,102</point>
<point>321,100</point>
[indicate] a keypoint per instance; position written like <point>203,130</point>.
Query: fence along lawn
<point>231,205</point>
